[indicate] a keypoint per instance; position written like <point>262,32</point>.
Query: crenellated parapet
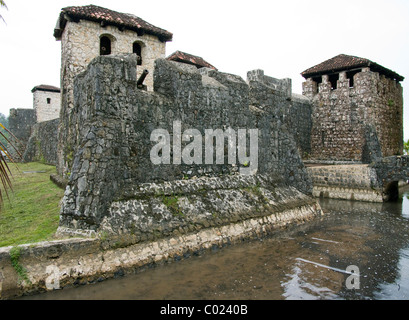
<point>346,101</point>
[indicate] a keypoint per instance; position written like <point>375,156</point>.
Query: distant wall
<point>21,122</point>
<point>300,123</point>
<point>293,110</point>
<point>348,182</point>
<point>42,145</point>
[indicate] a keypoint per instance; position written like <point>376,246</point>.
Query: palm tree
<point>5,172</point>
<point>2,4</point>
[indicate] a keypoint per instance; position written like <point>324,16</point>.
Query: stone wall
<point>341,116</point>
<point>299,122</point>
<point>390,171</point>
<point>372,150</point>
<point>348,182</point>
<point>21,122</point>
<point>42,145</point>
<point>111,162</point>
<point>388,114</point>
<point>282,86</point>
<point>294,110</point>
<point>374,182</point>
<point>80,44</point>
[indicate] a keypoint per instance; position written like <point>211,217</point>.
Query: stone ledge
<point>74,262</point>
<point>345,193</point>
<point>204,183</point>
<point>154,210</point>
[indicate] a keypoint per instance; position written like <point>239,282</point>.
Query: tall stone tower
<point>87,32</point>
<point>357,109</point>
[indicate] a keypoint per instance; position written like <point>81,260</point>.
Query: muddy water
<point>306,262</point>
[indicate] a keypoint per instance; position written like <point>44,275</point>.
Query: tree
<point>2,4</point>
<point>5,157</point>
<point>4,120</point>
<point>406,147</point>
<point>5,144</point>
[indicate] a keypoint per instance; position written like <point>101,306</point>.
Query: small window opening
<point>350,76</point>
<point>105,46</point>
<point>317,80</point>
<point>137,49</point>
<point>333,78</point>
<point>322,138</point>
<point>48,100</point>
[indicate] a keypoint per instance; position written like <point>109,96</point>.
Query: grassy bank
<point>32,213</point>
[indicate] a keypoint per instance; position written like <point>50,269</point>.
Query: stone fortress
<point>350,112</point>
<point>341,139</point>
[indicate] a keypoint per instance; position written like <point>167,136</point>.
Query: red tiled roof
<point>345,62</point>
<point>184,57</point>
<point>45,87</point>
<point>109,17</point>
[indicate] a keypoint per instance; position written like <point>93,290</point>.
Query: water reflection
<point>306,262</point>
<point>398,289</point>
<point>369,236</point>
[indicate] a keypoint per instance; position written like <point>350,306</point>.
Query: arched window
<point>105,46</point>
<point>137,49</point>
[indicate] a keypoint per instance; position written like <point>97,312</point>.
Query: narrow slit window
<point>48,100</point>
<point>137,49</point>
<point>105,46</point>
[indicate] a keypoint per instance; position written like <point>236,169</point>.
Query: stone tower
<point>46,102</point>
<point>87,32</point>
<point>357,112</point>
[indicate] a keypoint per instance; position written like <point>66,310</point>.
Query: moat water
<point>304,262</point>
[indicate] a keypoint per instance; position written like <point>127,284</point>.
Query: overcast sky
<point>281,37</point>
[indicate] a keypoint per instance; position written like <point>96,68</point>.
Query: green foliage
<point>15,253</point>
<point>171,202</point>
<point>406,147</point>
<point>2,4</point>
<point>255,190</point>
<point>5,157</point>
<point>5,122</point>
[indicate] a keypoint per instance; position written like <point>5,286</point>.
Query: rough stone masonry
<point>145,213</point>
<point>357,110</point>
<point>114,187</point>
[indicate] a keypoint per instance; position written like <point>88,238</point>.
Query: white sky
<point>281,37</point>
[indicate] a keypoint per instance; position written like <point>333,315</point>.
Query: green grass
<point>32,212</point>
<point>172,203</point>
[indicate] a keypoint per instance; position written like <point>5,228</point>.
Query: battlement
<point>352,82</point>
<point>345,104</point>
<point>281,85</point>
